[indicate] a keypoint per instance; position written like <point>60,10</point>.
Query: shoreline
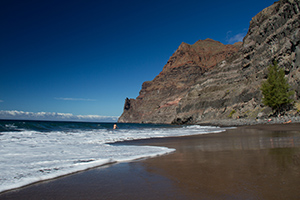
<point>250,122</point>
<point>206,155</point>
<point>40,180</point>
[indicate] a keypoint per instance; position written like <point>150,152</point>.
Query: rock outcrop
<point>210,81</point>
<point>159,98</point>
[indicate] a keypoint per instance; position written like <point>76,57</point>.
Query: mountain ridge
<point>209,81</point>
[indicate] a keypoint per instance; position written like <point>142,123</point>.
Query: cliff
<point>211,81</point>
<point>159,98</point>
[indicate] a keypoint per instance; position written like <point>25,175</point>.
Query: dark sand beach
<point>249,162</point>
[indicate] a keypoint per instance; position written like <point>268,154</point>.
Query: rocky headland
<point>212,83</point>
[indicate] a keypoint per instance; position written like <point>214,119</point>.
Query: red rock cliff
<point>159,98</point>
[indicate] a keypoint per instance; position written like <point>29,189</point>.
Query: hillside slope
<point>210,81</point>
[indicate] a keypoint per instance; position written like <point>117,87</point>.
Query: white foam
<point>30,156</point>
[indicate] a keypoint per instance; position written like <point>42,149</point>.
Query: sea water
<point>32,151</point>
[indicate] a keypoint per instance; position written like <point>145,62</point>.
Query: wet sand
<point>255,162</point>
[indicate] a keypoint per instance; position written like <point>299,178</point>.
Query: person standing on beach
<point>115,126</point>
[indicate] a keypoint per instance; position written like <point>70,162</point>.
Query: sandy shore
<point>249,162</point>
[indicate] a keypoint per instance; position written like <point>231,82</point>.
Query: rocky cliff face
<point>159,98</point>
<point>210,81</point>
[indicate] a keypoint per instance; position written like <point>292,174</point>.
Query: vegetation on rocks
<point>298,106</point>
<point>276,91</point>
<point>231,113</point>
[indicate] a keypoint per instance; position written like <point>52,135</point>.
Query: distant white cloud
<point>73,99</point>
<point>235,38</point>
<point>1,101</point>
<point>53,116</point>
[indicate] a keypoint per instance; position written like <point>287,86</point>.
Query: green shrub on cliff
<point>276,91</point>
<point>298,106</point>
<point>231,113</point>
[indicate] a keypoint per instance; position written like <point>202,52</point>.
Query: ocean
<point>33,151</point>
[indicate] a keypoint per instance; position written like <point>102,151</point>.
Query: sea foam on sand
<point>31,156</point>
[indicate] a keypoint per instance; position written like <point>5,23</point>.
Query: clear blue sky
<point>85,57</point>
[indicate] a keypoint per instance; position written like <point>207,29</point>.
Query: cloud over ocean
<point>53,116</point>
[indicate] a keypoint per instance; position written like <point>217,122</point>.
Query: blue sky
<point>85,57</point>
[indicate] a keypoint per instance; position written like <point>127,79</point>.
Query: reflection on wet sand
<point>244,163</point>
<point>257,162</point>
